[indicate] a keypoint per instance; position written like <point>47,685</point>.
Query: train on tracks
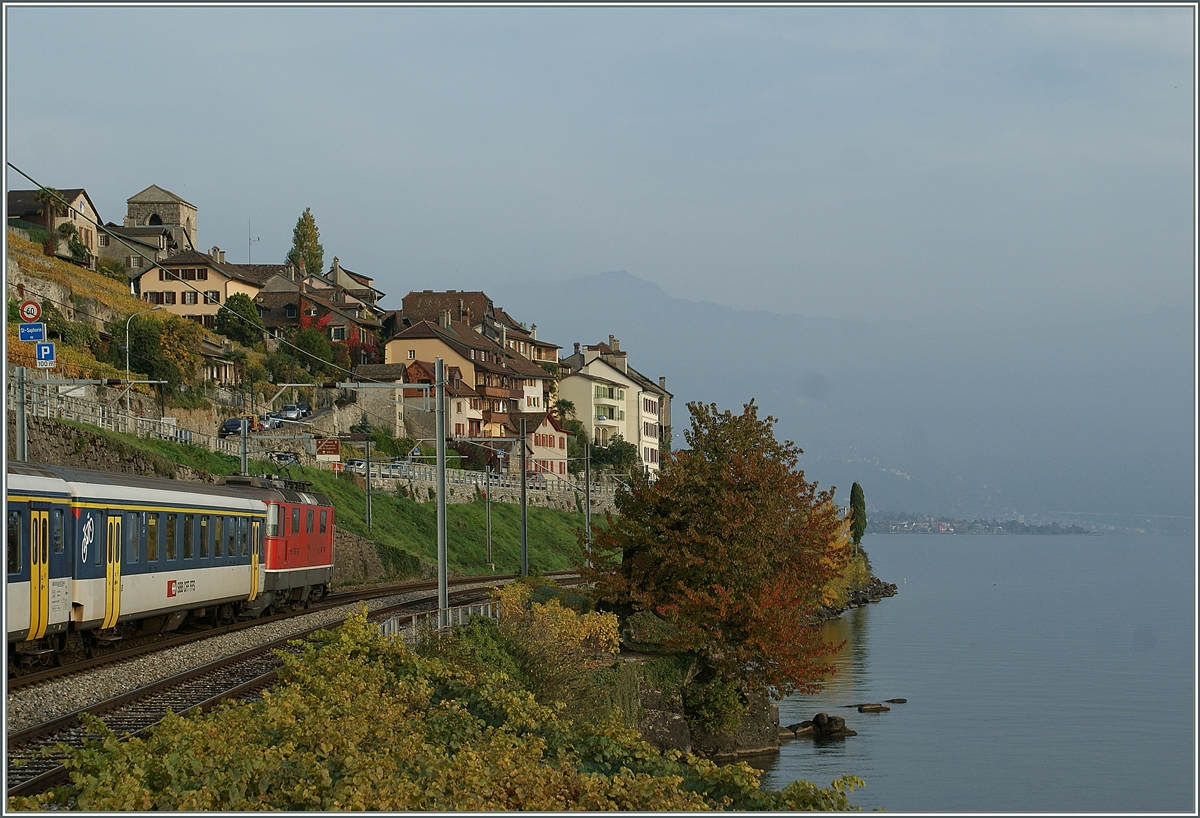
<point>94,555</point>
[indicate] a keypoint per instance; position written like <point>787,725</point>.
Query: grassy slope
<point>400,524</point>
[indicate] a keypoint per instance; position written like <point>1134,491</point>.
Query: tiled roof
<point>188,258</point>
<point>26,202</point>
<point>154,193</point>
<point>381,372</point>
<point>594,378</point>
<point>428,305</point>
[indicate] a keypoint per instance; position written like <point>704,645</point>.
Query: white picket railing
<point>49,400</point>
<point>410,626</point>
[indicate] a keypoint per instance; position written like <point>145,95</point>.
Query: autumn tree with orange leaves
<point>731,549</point>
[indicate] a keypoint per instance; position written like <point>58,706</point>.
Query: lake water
<point>1043,673</point>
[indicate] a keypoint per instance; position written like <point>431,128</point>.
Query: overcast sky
<point>953,166</point>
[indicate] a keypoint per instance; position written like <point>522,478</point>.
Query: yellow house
<point>195,285</point>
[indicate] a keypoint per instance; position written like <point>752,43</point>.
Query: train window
<point>308,521</point>
<point>188,525</point>
<point>99,526</point>
<point>218,535</point>
<point>203,536</point>
<point>152,537</point>
<point>129,528</point>
<point>295,519</point>
<point>169,530</point>
<point>231,536</point>
<point>14,542</point>
<point>273,520</point>
<point>324,515</point>
<point>243,538</point>
<point>58,540</point>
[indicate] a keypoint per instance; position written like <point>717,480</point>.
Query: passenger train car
<point>92,554</point>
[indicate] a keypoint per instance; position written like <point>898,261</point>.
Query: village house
<point>27,208</point>
<point>507,384</point>
<point>613,398</point>
<point>547,447</point>
<point>195,285</point>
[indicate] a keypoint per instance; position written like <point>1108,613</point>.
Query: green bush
<point>359,722</point>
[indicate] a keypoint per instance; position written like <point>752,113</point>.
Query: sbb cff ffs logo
<point>175,587</point>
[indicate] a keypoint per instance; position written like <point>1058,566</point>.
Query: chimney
<point>662,382</point>
<point>576,347</point>
<point>444,318</point>
<point>503,337</point>
<point>218,255</point>
<point>612,343</point>
<point>300,262</point>
<point>460,309</point>
<point>533,331</point>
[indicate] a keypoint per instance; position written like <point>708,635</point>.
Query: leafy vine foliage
<point>734,550</point>
<point>360,722</point>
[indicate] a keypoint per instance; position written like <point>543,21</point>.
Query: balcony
<point>500,392</point>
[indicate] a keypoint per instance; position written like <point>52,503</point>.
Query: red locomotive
<point>297,546</point>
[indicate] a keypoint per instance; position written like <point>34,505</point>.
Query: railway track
<point>31,678</point>
<point>241,676</point>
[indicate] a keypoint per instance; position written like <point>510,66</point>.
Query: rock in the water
<point>896,701</point>
<point>873,708</point>
<point>786,734</point>
<point>826,726</point>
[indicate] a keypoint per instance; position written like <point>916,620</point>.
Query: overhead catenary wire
<point>200,293</point>
<point>256,325</point>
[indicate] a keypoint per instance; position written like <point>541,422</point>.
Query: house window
<point>337,333</point>
<point>212,297</point>
<point>290,310</point>
<point>103,239</point>
<point>168,298</point>
<point>135,262</point>
<point>412,355</point>
<point>189,296</point>
<point>202,275</point>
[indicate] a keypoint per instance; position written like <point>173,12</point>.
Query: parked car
<point>276,418</point>
<point>291,412</point>
<point>305,409</point>
<point>269,422</point>
<point>535,480</point>
<point>394,470</point>
<point>357,466</point>
<point>233,426</point>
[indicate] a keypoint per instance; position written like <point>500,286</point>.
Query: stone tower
<point>155,206</point>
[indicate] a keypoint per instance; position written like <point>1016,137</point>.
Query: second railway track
<point>29,770</point>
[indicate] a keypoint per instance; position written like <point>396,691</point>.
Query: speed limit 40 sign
<point>31,311</point>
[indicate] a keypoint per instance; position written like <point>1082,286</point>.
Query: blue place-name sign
<point>33,332</point>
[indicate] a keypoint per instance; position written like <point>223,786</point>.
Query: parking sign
<point>45,355</point>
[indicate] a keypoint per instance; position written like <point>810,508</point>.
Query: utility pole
<point>524,510</point>
<point>22,429</point>
<point>587,501</point>
<point>439,378</point>
<point>368,484</point>
<point>487,496</point>
<point>245,436</point>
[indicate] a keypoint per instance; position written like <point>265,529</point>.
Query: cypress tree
<point>306,245</point>
<point>858,513</point>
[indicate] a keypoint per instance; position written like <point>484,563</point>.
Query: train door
<point>112,572</point>
<point>255,553</point>
<point>39,570</point>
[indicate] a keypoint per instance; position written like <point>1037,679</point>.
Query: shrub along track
<point>29,678</point>
<point>243,676</point>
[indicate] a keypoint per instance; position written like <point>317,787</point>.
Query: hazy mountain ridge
<point>1091,417</point>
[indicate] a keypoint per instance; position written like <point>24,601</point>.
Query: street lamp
<point>127,384</point>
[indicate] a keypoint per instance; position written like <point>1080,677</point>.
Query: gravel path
<point>35,705</point>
